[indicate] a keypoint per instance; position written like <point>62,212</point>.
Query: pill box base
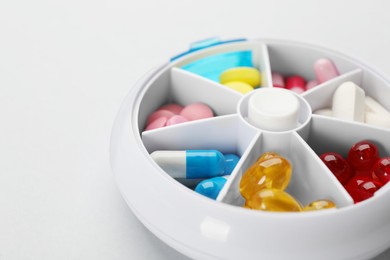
<point>205,229</point>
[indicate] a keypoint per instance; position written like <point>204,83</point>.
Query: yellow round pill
<point>239,86</point>
<point>248,75</point>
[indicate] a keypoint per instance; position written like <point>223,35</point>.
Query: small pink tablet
<point>158,123</point>
<point>176,120</point>
<point>174,108</point>
<point>197,111</point>
<point>157,114</point>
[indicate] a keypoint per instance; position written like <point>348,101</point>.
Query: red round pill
<point>382,169</point>
<point>338,166</point>
<point>363,155</point>
<point>295,82</point>
<point>362,188</point>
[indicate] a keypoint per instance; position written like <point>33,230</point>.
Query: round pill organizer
<point>202,228</point>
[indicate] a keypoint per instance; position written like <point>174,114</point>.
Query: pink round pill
<point>158,123</point>
<point>177,119</point>
<point>197,111</point>
<point>174,108</point>
<point>311,84</point>
<point>157,114</point>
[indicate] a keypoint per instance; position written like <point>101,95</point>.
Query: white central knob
<point>273,109</point>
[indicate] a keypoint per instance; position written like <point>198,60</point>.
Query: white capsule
<point>382,120</point>
<point>348,102</point>
<point>373,106</point>
<point>324,112</point>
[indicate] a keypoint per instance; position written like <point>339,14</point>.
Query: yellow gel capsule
<point>273,200</point>
<point>239,86</point>
<point>320,204</point>
<point>274,172</point>
<point>248,75</point>
<point>267,155</point>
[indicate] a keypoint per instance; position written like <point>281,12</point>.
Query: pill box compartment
<point>310,178</point>
<point>295,59</point>
<point>360,230</point>
<point>332,135</point>
<point>173,85</point>
<point>224,133</point>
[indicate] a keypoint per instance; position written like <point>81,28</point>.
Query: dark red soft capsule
<point>338,166</point>
<point>382,169</point>
<point>365,173</point>
<point>363,155</point>
<point>362,188</point>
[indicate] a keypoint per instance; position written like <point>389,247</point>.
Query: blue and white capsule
<point>231,161</point>
<point>191,164</point>
<point>211,187</point>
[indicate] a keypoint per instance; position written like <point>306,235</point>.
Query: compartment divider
<point>190,88</point>
<point>230,193</point>
<point>212,133</point>
<point>313,180</point>
<point>376,87</point>
<point>321,96</point>
<point>265,67</point>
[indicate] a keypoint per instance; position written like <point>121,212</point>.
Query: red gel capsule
<point>382,169</point>
<point>338,166</point>
<point>362,188</point>
<point>364,173</point>
<point>363,155</point>
<point>367,189</point>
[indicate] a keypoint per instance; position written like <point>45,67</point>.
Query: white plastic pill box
<point>202,228</point>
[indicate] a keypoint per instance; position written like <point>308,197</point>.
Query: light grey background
<point>65,67</point>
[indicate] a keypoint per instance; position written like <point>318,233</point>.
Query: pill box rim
<point>154,73</point>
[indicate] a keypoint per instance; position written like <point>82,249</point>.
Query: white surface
<point>64,69</point>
